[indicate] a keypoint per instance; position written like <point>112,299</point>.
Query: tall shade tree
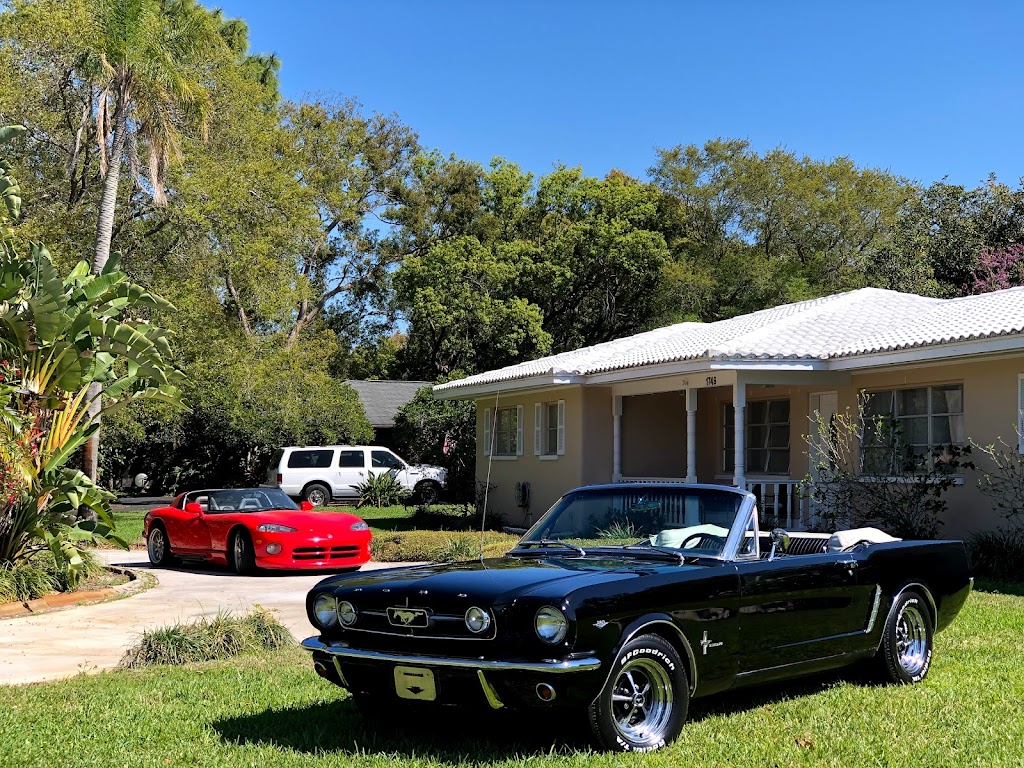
<point>148,61</point>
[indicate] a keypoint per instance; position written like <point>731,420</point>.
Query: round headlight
<point>347,613</point>
<point>550,624</point>
<point>325,608</point>
<point>477,620</point>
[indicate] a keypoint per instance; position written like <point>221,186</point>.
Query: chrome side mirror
<point>780,542</point>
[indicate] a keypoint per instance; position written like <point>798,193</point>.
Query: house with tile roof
<point>735,401</point>
<point>381,400</point>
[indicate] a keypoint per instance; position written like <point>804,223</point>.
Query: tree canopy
<point>306,242</point>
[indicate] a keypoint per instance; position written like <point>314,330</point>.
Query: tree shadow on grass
<point>743,699</point>
<point>453,735</point>
<point>445,734</point>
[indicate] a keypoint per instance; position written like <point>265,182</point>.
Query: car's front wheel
<point>243,556</point>
<point>644,703</point>
<point>906,652</point>
<point>158,546</point>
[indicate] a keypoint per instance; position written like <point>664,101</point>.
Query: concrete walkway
<point>63,643</point>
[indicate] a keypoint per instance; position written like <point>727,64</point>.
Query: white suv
<point>319,473</point>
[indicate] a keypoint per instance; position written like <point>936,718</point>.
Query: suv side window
<point>385,460</point>
<point>351,459</point>
<point>320,459</point>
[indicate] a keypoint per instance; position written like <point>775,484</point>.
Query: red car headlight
<point>275,528</point>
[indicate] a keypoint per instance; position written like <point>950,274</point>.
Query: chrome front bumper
<point>550,666</point>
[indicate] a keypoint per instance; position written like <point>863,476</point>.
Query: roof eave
<point>542,381</point>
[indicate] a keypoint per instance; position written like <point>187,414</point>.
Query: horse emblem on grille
<point>407,617</point>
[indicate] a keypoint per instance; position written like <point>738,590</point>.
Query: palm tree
<point>149,59</point>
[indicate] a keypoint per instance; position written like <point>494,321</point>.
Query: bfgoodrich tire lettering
<point>906,651</point>
<point>644,703</point>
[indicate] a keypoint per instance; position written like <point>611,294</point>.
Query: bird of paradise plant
<point>58,336</point>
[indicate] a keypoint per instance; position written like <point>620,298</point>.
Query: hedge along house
<point>731,402</point>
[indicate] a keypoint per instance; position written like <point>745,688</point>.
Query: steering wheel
<point>701,537</point>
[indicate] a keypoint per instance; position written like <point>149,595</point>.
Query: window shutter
<point>1020,413</point>
<point>536,429</point>
<point>488,417</point>
<point>561,427</point>
<point>519,430</point>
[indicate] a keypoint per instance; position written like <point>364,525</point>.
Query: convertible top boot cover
<point>840,541</point>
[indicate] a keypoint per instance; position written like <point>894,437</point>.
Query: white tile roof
<point>865,321</point>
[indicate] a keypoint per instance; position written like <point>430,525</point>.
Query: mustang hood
<point>488,583</point>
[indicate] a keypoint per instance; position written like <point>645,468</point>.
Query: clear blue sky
<point>924,89</point>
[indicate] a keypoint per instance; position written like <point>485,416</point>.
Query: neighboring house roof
<point>846,325</point>
<point>382,399</point>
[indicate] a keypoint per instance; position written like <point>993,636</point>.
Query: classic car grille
<point>325,553</point>
<point>437,625</point>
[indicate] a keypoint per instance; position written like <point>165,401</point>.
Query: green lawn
<point>274,711</point>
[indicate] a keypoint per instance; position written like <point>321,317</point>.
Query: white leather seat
<point>840,541</point>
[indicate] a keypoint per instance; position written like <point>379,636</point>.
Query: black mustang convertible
<point>627,600</point>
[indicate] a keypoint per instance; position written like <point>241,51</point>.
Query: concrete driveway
<point>62,643</point>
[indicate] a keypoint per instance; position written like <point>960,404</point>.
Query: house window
<point>767,433</point>
<point>549,429</point>
<point>507,426</point>
<point>902,423</point>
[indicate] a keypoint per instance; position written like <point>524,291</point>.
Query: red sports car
<point>250,528</point>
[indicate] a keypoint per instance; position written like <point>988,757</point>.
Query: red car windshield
<point>241,500</point>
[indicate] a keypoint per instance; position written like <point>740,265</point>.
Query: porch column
<point>691,435</point>
<point>616,438</point>
<point>739,404</point>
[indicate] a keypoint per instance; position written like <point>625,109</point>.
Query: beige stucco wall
<point>654,435</point>
<point>549,477</point>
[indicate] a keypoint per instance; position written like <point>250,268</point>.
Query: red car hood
<point>304,522</point>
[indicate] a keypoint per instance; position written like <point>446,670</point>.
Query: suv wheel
<point>317,494</point>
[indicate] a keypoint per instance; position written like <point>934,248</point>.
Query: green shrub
<point>998,555</point>
<point>438,546</point>
<point>221,637</point>
<point>381,490</point>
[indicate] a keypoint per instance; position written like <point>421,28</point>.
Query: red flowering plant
<point>58,336</point>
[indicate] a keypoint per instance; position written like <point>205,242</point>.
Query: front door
<point>799,608</point>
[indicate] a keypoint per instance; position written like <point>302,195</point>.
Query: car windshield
<point>682,521</point>
<point>241,500</point>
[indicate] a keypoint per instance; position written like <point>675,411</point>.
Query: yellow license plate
<point>415,683</point>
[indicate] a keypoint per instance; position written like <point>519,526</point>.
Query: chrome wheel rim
<point>642,701</point>
<point>316,497</point>
<point>239,548</point>
<point>912,640</point>
<point>156,545</point>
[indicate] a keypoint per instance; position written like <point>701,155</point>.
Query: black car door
<point>799,608</point>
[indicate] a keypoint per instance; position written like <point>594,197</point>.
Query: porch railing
<point>785,503</point>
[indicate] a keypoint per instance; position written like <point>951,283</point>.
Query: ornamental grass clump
<point>222,637</point>
<point>42,575</point>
